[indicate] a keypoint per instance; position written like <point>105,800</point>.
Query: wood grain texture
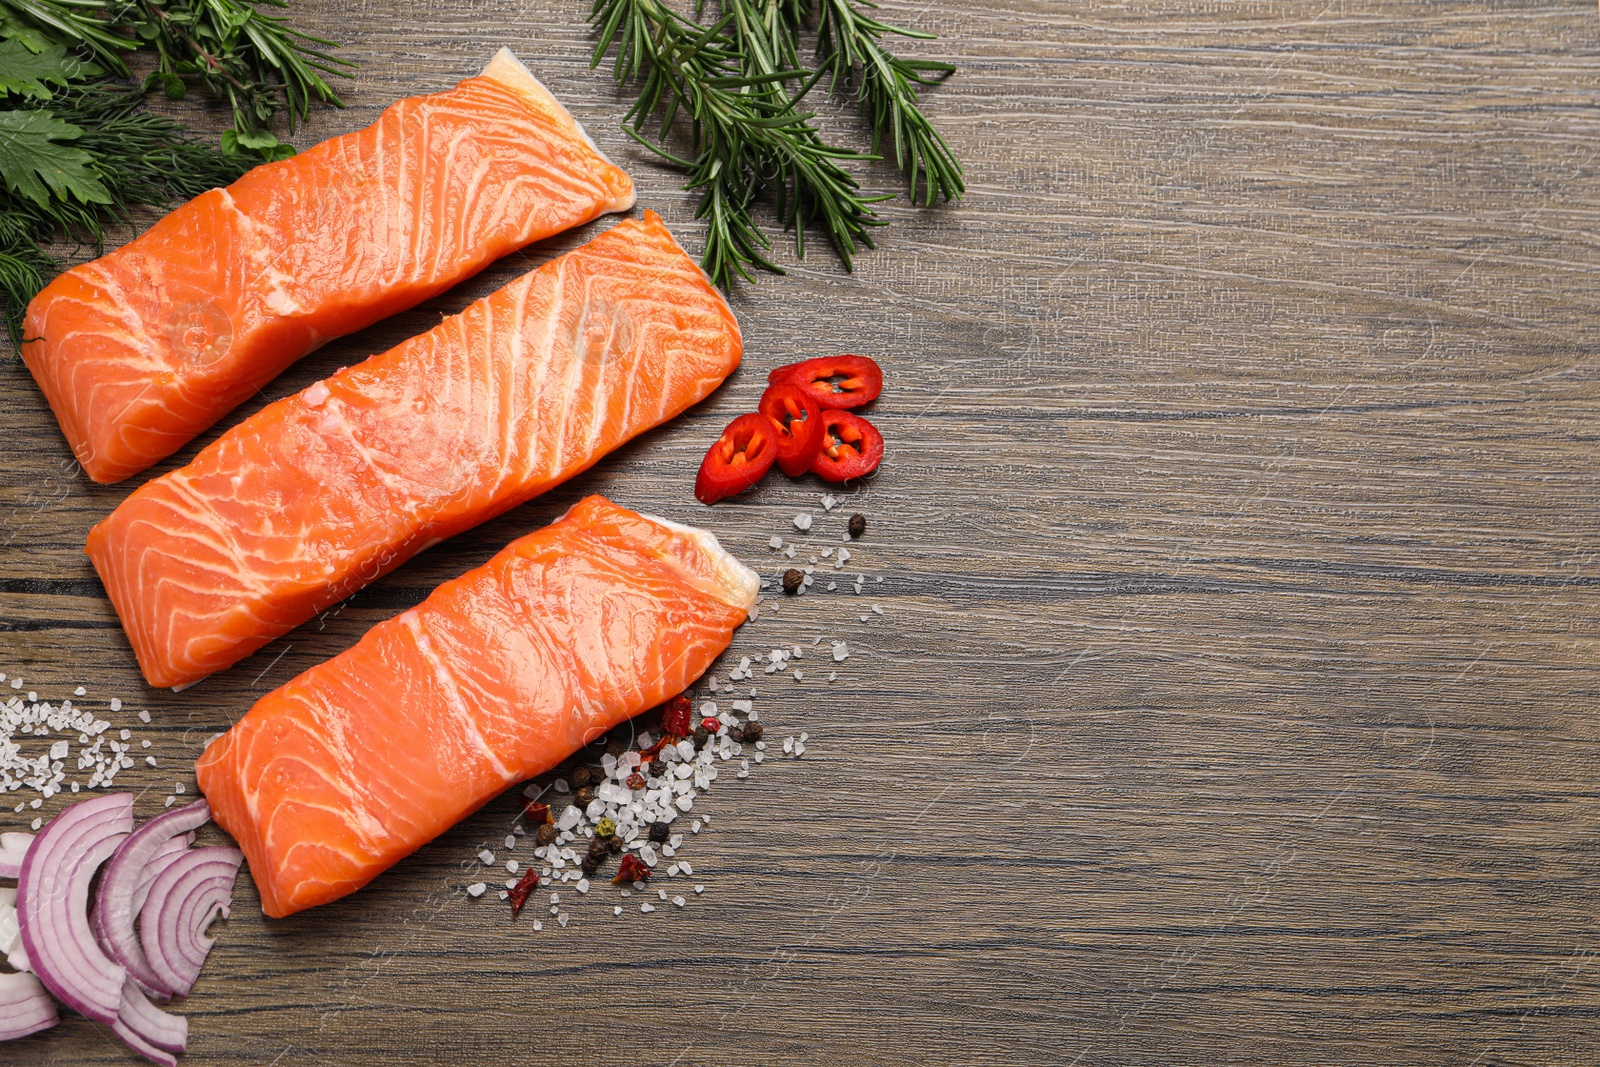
<point>1234,696</point>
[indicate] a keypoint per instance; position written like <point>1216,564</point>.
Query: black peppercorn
<point>580,777</point>
<point>858,525</point>
<point>736,733</point>
<point>792,580</point>
<point>583,797</point>
<point>701,736</point>
<point>753,731</point>
<point>545,834</point>
<point>617,745</point>
<point>590,865</point>
<point>660,831</point>
<point>600,847</point>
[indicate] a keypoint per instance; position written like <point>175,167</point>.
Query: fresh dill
<point>78,149</point>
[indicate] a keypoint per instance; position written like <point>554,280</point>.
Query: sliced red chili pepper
<point>799,422</point>
<point>631,869</point>
<point>676,717</point>
<point>520,893</point>
<point>851,447</point>
<point>738,459</point>
<point>834,382</point>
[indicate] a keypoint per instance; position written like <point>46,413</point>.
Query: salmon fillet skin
<point>498,676</point>
<point>319,494</point>
<point>143,348</point>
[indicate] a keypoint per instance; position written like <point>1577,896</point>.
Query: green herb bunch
<point>77,146</point>
<point>737,82</point>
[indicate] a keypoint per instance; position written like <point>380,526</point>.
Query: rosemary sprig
<point>738,83</point>
<point>850,47</point>
<point>745,130</point>
<point>257,62</point>
<point>234,49</point>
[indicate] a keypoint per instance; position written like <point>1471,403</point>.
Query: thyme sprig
<point>737,84</point>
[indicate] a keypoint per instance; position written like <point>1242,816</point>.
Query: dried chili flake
<point>631,869</point>
<point>675,720</point>
<point>635,781</point>
<point>535,812</point>
<point>519,895</point>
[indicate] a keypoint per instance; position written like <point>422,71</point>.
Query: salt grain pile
<point>37,738</point>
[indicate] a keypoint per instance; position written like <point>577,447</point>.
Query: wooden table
<point>1234,693</point>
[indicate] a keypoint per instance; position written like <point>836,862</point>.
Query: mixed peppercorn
<point>583,777</point>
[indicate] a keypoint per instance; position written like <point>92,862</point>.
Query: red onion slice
<point>116,906</point>
<point>152,870</point>
<point>144,1026</point>
<point>11,931</point>
<point>53,904</point>
<point>135,1041</point>
<point>13,847</point>
<point>25,1006</point>
<point>188,895</point>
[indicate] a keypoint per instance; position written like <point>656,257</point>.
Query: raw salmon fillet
<point>319,494</point>
<point>144,348</point>
<point>499,675</point>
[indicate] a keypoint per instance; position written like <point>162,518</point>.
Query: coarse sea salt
<point>53,769</point>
